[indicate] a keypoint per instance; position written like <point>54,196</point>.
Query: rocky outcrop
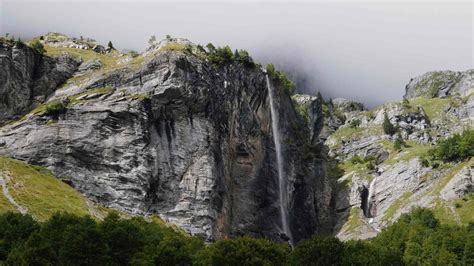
<point>460,185</point>
<point>27,78</point>
<point>185,139</point>
<point>441,84</point>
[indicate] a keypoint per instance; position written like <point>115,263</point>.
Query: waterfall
<point>283,197</point>
<point>369,197</point>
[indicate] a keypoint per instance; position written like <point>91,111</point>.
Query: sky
<point>365,51</point>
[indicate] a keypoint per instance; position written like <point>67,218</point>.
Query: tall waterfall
<point>369,197</point>
<point>282,187</point>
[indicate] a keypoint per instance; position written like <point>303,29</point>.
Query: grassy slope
<point>38,190</point>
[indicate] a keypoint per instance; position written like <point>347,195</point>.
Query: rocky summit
<point>185,133</point>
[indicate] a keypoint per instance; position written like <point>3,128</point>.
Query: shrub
<point>455,148</point>
<point>133,54</point>
<point>38,46</point>
<point>356,159</point>
<point>399,143</point>
<point>354,123</point>
<point>54,108</point>
<point>281,79</point>
<point>406,104</point>
<point>243,57</point>
<point>19,43</point>
<point>221,55</point>
<point>388,127</point>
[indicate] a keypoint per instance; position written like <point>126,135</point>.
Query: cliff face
<point>27,78</point>
<point>177,136</point>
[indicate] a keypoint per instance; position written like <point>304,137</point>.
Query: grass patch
<point>411,151</point>
<point>39,191</point>
<point>443,213</point>
<point>434,107</point>
<point>396,205</point>
<point>138,97</point>
<point>359,169</point>
<point>75,99</point>
<point>110,61</point>
<point>353,222</point>
<point>466,209</point>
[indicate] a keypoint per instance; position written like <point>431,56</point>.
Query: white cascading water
<point>281,177</point>
<point>369,197</point>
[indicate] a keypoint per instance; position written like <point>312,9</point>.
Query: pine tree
<point>110,45</point>
<point>399,142</point>
<point>388,127</point>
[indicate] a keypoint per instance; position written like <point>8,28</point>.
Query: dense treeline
<point>417,238</point>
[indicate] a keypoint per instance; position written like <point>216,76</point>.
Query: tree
<point>455,148</point>
<point>468,253</point>
<point>354,123</point>
<point>406,104</point>
<point>14,229</point>
<point>357,252</point>
<point>210,48</point>
<point>244,251</point>
<point>110,45</point>
<point>38,47</point>
<point>388,127</point>
<point>319,250</point>
<point>399,142</point>
<point>19,43</point>
<point>152,40</point>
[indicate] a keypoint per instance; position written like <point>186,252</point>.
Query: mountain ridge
<point>178,111</point>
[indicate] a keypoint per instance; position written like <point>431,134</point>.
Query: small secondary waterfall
<point>281,176</point>
<point>369,197</point>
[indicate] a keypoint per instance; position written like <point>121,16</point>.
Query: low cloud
<point>363,51</point>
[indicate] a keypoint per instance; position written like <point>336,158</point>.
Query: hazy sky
<point>366,51</point>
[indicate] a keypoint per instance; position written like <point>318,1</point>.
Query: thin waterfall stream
<point>370,196</point>
<point>282,184</point>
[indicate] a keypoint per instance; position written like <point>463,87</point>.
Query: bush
<point>399,143</point>
<point>19,43</point>
<point>354,123</point>
<point>406,104</point>
<point>388,127</point>
<point>281,79</point>
<point>455,148</point>
<point>38,47</point>
<point>54,108</point>
<point>220,56</point>
<point>133,54</point>
<point>356,159</point>
<point>243,57</point>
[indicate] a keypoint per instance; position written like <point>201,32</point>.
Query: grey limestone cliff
<point>178,136</point>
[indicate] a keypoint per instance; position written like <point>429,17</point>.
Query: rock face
<point>441,84</point>
<point>182,138</point>
<point>28,78</point>
<point>382,182</point>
